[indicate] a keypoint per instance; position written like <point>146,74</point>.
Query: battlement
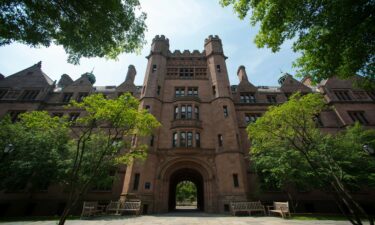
<point>212,38</point>
<point>160,38</point>
<point>187,53</point>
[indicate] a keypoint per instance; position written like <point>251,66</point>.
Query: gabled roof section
<point>289,84</point>
<point>244,85</point>
<point>32,77</point>
<point>82,84</point>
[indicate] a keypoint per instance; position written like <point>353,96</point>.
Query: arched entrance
<point>186,174</point>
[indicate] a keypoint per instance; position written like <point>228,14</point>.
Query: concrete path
<point>186,219</point>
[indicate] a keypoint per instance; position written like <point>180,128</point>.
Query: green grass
<point>34,218</point>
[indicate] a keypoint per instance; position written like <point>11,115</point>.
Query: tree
<point>84,28</point>
<point>334,37</point>
<point>101,141</point>
<point>288,149</point>
<point>38,151</point>
<point>186,191</point>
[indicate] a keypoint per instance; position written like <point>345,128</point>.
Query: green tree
<point>84,28</point>
<point>101,141</point>
<point>288,149</point>
<point>334,37</point>
<point>186,191</point>
<point>36,151</point>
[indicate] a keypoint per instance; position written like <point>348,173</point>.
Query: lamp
<point>369,150</point>
<point>9,148</point>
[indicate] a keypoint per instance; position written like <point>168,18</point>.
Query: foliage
<point>39,151</point>
<point>288,149</point>
<point>186,191</point>
<point>102,141</point>
<point>334,37</point>
<point>84,28</point>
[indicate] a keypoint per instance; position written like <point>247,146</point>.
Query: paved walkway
<point>186,219</point>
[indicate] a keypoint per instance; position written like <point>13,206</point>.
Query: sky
<point>186,23</point>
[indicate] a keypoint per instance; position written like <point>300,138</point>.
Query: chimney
<point>241,73</point>
<point>130,76</point>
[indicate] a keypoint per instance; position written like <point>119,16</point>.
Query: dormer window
<point>247,98</point>
<point>67,97</point>
<point>30,94</point>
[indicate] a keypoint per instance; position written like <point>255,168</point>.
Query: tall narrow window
<point>196,111</point>
<point>220,139</point>
<point>148,108</point>
<point>30,94</point>
<point>235,180</point>
<point>318,121</point>
<point>136,181</point>
<point>14,115</point>
<point>179,91</point>
<point>152,140</point>
<point>198,140</point>
<point>174,139</point>
<point>342,95</point>
<point>183,112</point>
<point>251,118</point>
<point>218,68</point>
<point>189,112</point>
<point>214,90</point>
<point>175,112</point>
<point>182,139</point>
<point>195,92</point>
<point>154,68</point>
<point>271,98</point>
<point>225,109</point>
<point>247,98</point>
<point>189,139</point>
<point>158,91</point>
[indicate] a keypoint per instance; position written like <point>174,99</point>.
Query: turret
<point>130,76</point>
<point>213,45</point>
<point>160,45</point>
<point>241,73</point>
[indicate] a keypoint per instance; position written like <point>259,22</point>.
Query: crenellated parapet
<point>187,53</point>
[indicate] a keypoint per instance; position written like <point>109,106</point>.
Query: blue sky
<point>186,23</point>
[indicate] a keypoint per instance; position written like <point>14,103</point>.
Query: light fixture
<point>369,150</point>
<point>9,148</point>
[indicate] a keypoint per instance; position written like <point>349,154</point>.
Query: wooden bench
<point>91,209</point>
<point>120,207</point>
<point>247,207</point>
<point>281,208</point>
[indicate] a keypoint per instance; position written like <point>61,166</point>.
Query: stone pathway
<point>186,219</point>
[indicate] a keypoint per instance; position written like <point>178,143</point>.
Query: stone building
<point>202,138</point>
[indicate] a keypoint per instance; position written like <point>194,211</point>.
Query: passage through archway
<point>188,176</point>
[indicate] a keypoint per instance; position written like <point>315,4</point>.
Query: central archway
<point>185,174</point>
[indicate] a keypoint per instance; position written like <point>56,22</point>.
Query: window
<point>360,95</point>
<point>183,112</point>
<point>186,73</point>
<point>154,68</point>
<point>247,98</point>
<point>174,139</point>
<point>12,94</point>
<point>251,118</point>
<point>342,95</point>
<point>152,140</point>
<point>196,111</point>
<point>189,112</point>
<point>271,98</point>
<point>225,109</point>
<point>147,185</point>
<point>179,91</point>
<point>235,180</point>
<point>371,94</point>
<point>67,97</point>
<point>148,108</point>
<point>318,121</point>
<point>198,140</point>
<point>192,91</point>
<point>14,115</point>
<point>358,116</point>
<point>57,114</point>
<point>136,181</point>
<point>182,139</point>
<point>189,139</point>
<point>175,112</point>
<point>220,139</point>
<point>218,69</point>
<point>73,117</point>
<point>158,91</point>
<point>214,90</point>
<point>81,96</point>
<point>30,95</point>
<point>2,93</point>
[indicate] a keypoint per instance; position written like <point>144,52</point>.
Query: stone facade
<point>202,138</point>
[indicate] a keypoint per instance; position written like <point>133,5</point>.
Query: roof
<point>32,77</point>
